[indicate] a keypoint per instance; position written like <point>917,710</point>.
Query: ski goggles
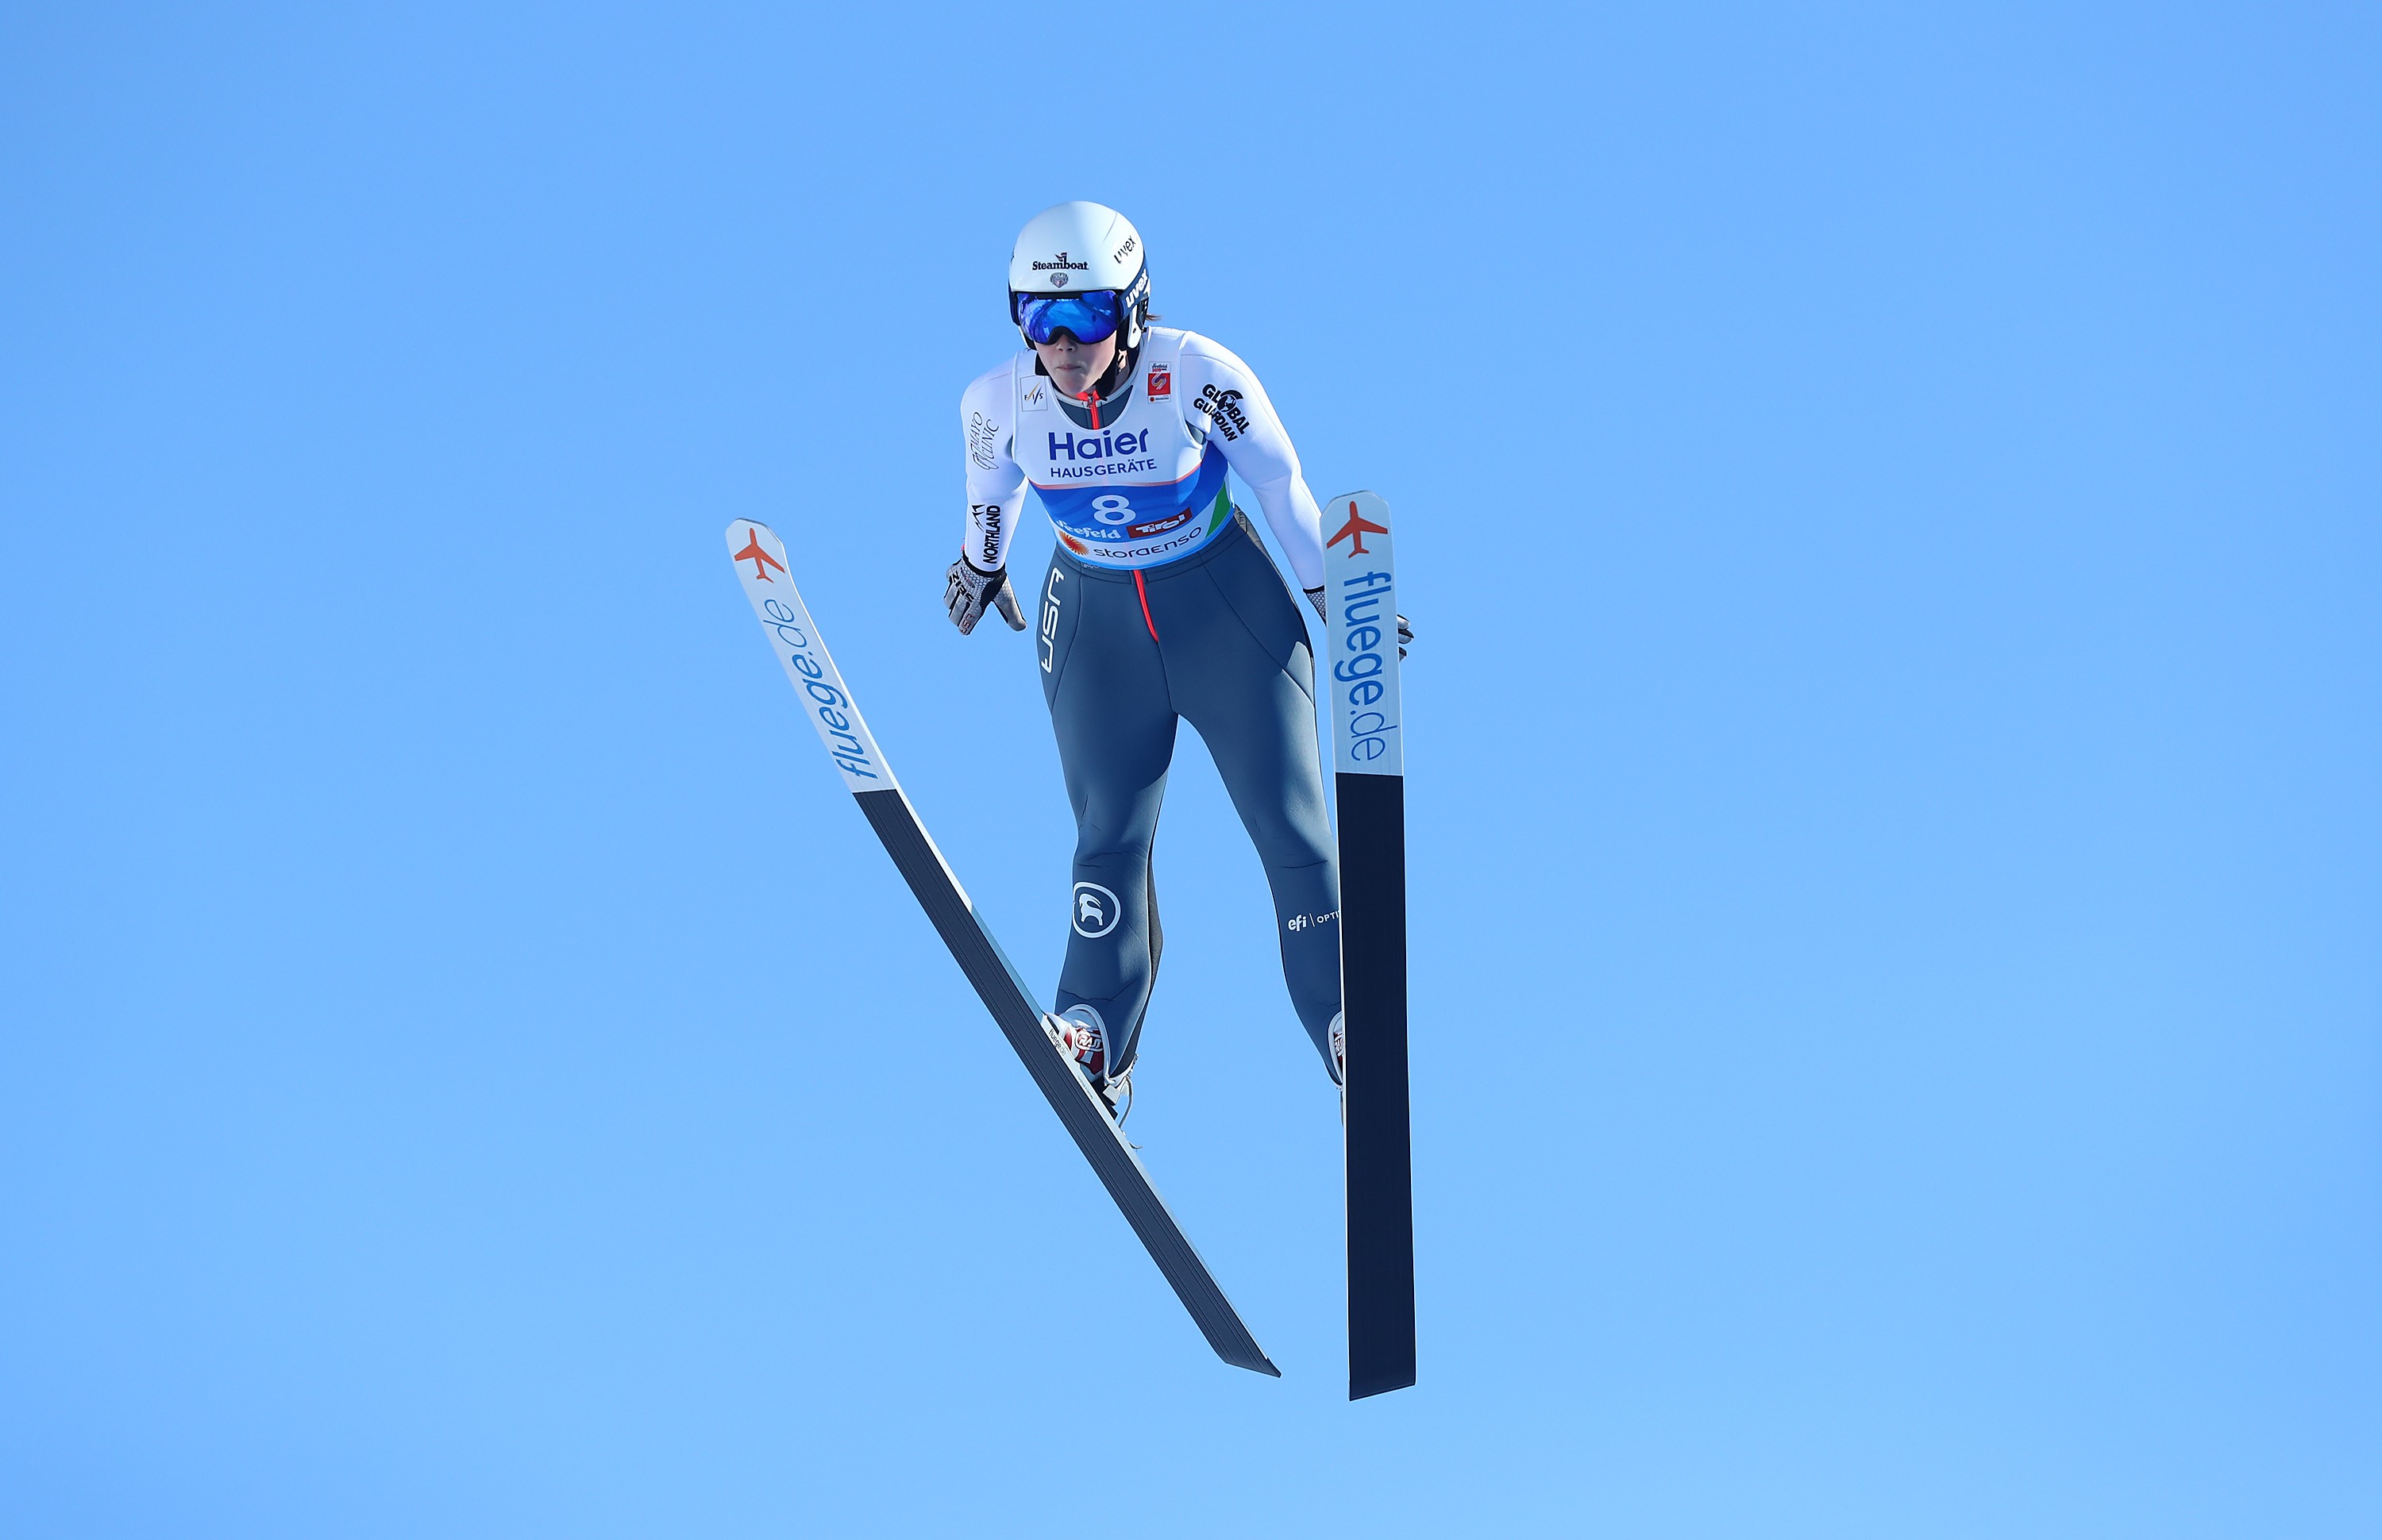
<point>1090,315</point>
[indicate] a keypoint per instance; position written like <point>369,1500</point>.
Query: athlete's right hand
<point>966,592</point>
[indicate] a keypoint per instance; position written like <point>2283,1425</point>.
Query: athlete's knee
<point>1291,851</point>
<point>1111,855</point>
<point>1115,823</point>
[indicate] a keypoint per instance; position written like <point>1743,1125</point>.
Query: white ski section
<point>812,671</point>
<point>1361,651</point>
<point>760,558</point>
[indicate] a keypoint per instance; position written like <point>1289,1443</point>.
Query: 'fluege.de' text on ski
<point>1360,613</point>
<point>832,702</point>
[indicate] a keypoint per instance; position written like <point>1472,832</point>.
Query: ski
<point>760,559</point>
<point>1369,781</point>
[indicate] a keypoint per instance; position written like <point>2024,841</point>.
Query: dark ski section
<point>1381,1153</point>
<point>1369,781</point>
<point>1070,1095</point>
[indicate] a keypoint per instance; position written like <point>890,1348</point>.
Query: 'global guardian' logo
<point>843,744</point>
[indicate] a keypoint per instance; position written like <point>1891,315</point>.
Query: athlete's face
<point>1072,365</point>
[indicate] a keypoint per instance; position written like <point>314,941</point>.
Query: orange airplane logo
<point>1357,529</point>
<point>762,560</point>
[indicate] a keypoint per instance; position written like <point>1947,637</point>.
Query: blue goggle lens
<point>1090,315</point>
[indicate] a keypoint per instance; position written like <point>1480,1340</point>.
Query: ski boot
<point>1083,1037</point>
<point>1337,1036</point>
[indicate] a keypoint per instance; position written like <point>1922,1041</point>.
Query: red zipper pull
<point>1092,404</point>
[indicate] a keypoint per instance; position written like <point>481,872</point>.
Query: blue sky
<point>1888,500</point>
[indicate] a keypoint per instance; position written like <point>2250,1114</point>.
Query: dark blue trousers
<point>1217,639</point>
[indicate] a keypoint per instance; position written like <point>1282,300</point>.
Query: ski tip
<point>1245,1354</point>
<point>1358,1389</point>
<point>749,539</point>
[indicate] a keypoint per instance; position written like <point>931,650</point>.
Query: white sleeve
<point>996,487</point>
<point>1222,390</point>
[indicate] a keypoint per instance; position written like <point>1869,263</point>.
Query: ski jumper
<point>1161,605</point>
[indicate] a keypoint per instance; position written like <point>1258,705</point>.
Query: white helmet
<point>1079,248</point>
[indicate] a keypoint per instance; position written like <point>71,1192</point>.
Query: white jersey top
<point>1140,480</point>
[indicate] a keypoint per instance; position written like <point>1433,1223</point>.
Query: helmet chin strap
<point>1119,369</point>
<point>1131,331</point>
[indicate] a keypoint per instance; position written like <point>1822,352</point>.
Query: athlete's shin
<point>1111,950</point>
<point>1307,915</point>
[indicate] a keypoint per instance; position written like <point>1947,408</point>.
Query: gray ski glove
<point>1406,631</point>
<point>966,592</point>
